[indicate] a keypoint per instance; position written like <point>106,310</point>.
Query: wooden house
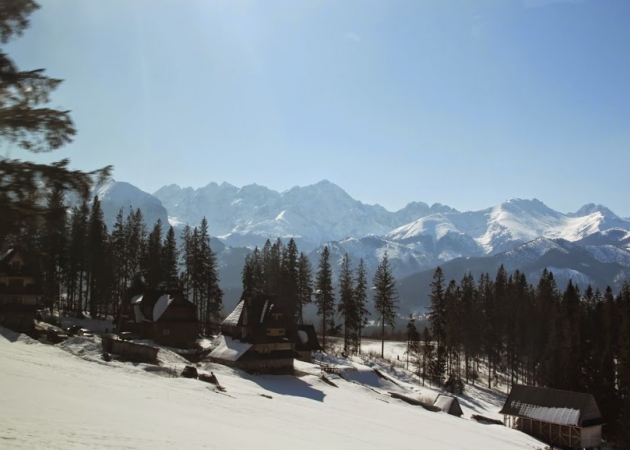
<point>448,404</point>
<point>307,342</point>
<point>258,336</point>
<point>563,418</point>
<point>167,317</point>
<point>18,291</point>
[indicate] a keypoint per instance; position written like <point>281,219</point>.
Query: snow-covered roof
<point>160,306</point>
<point>229,349</point>
<point>232,319</point>
<point>560,416</point>
<point>552,406</point>
<point>443,402</point>
<point>448,404</point>
<point>136,299</point>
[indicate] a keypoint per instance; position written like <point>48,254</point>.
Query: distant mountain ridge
<point>416,238</point>
<point>312,214</point>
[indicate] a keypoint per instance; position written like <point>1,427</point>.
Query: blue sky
<point>461,102</point>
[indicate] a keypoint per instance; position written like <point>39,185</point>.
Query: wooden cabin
<point>448,404</point>
<point>259,335</point>
<point>306,342</point>
<point>18,291</point>
<point>563,418</point>
<point>167,317</point>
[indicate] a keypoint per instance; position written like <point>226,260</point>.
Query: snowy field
<point>66,397</point>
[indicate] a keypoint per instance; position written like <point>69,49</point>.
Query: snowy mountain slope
<point>119,194</point>
<point>53,399</point>
<point>595,265</point>
<point>509,224</point>
<point>311,214</point>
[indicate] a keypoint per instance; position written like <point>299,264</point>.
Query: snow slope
<point>56,400</point>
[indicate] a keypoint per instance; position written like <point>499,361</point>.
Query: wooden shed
<point>448,404</point>
<point>563,418</point>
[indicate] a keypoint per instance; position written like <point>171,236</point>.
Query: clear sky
<point>461,102</point>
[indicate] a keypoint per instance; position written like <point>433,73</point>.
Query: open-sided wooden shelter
<point>564,418</point>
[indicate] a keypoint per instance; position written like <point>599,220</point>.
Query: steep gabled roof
<point>448,404</point>
<point>235,316</point>
<point>6,255</point>
<point>552,406</point>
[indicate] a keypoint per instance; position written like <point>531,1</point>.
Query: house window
<point>16,265</point>
<point>166,332</point>
<point>16,282</point>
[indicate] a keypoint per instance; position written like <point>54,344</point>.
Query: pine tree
<point>289,275</point>
<point>27,122</point>
<point>170,261</point>
<point>437,320</point>
<point>98,276</point>
<point>324,294</point>
<point>385,297</point>
<point>55,247</point>
<point>78,257</point>
<point>360,299</point>
<point>305,285</point>
<point>347,306</point>
<point>153,258</point>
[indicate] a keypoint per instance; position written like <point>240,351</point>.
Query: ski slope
<point>54,399</point>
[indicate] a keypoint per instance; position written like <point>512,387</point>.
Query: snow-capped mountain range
<point>418,237</point>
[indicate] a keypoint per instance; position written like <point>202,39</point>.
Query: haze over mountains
<point>590,245</point>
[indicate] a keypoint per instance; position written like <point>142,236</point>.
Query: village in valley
<point>157,332</point>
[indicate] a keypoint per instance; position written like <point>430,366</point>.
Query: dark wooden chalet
<point>258,336</point>
<point>563,418</point>
<point>167,317</point>
<point>307,342</point>
<point>18,291</point>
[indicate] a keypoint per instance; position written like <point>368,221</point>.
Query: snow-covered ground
<point>65,397</point>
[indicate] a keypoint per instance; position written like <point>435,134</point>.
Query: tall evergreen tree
<point>98,276</point>
<point>153,267</point>
<point>385,297</point>
<point>437,321</point>
<point>360,299</point>
<point>347,306</point>
<point>27,122</point>
<point>305,285</point>
<point>55,248</point>
<point>170,261</point>
<point>324,293</point>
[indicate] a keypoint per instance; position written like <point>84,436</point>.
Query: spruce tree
<point>98,276</point>
<point>437,320</point>
<point>289,275</point>
<point>385,297</point>
<point>305,285</point>
<point>360,300</point>
<point>170,261</point>
<point>347,306</point>
<point>28,123</point>
<point>324,293</point>
<point>55,248</point>
<point>153,258</point>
